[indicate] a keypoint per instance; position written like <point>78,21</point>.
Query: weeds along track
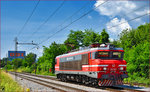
<point>54,83</point>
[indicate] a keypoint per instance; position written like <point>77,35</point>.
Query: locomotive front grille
<point>110,82</point>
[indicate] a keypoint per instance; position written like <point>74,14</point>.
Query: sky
<point>104,15</point>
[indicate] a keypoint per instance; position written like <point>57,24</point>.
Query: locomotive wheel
<point>83,80</point>
<point>86,80</point>
<point>94,82</point>
<point>64,78</point>
<point>90,81</point>
<point>61,77</point>
<point>78,79</point>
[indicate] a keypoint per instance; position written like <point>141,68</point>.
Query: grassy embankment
<point>28,70</point>
<point>7,84</point>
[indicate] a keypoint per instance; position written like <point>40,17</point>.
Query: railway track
<point>56,86</point>
<point>61,87</point>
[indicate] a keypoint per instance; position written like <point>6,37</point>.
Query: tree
<point>80,38</point>
<point>90,37</point>
<point>17,62</point>
<point>136,45</point>
<point>30,59</point>
<point>3,62</point>
<point>47,61</point>
<point>104,38</point>
<point>75,39</point>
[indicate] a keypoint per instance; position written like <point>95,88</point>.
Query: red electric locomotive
<point>100,64</point>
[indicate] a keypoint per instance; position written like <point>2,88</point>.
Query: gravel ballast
<point>32,86</point>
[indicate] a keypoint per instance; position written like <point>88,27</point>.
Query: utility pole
<point>16,42</point>
<point>6,63</point>
<point>16,48</point>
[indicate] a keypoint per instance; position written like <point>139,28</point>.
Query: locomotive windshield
<point>108,55</point>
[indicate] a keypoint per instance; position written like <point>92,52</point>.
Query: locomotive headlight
<point>121,68</point>
<point>104,68</point>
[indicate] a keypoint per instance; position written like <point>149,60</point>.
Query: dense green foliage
<point>47,61</point>
<point>27,64</point>
<point>104,37</point>
<point>136,45</point>
<point>80,38</point>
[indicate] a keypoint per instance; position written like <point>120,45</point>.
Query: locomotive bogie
<point>78,78</point>
<point>90,81</point>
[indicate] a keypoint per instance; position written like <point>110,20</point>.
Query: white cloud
<point>117,29</point>
<point>121,8</point>
<point>121,11</point>
<point>113,8</point>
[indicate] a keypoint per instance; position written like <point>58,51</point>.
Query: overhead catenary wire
<point>49,17</point>
<point>26,22</point>
<point>129,20</point>
<point>69,24</point>
<point>70,17</point>
<point>124,15</point>
<point>133,10</point>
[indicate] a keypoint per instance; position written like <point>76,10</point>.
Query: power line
<point>70,24</point>
<point>26,22</point>
<point>49,17</point>
<point>28,18</point>
<point>134,10</point>
<point>124,15</point>
<point>70,16</point>
<point>129,20</point>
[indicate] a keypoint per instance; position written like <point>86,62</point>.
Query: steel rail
<point>52,85</point>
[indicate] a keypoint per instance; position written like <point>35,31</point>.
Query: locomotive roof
<point>90,49</point>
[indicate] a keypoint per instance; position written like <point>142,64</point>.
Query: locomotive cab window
<point>102,55</point>
<point>108,55</point>
<point>117,55</point>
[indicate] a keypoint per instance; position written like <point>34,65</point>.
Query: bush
<point>8,84</point>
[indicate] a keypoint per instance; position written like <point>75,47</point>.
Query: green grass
<point>45,73</point>
<point>28,70</point>
<point>138,80</point>
<point>7,84</point>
